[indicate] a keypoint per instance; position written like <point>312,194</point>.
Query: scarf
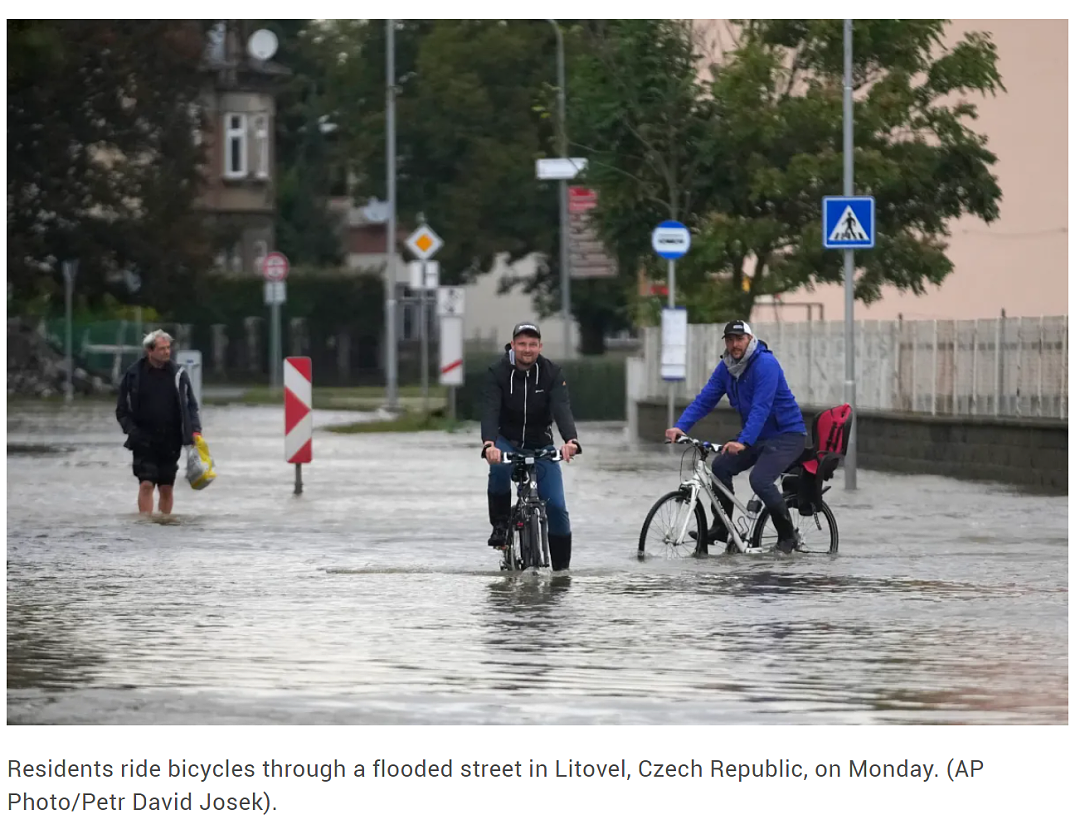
<point>737,367</point>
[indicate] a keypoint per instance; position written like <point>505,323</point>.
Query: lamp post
<point>564,218</point>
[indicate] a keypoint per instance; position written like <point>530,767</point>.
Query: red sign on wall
<point>589,258</point>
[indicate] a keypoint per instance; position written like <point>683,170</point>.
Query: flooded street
<point>372,598</point>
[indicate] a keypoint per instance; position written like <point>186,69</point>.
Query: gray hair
<point>150,340</point>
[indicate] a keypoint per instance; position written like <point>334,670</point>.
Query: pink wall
<point>1020,262</point>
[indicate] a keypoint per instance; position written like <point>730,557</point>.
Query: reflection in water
<point>370,600</point>
<point>46,649</point>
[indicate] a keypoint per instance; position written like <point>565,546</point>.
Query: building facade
<point>238,108</point>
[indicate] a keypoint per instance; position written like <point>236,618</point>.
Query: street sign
<point>559,168</point>
<point>424,276</point>
<point>451,301</point>
<point>275,267</point>
<point>452,351</point>
<point>298,417</point>
<point>847,222</point>
<point>431,275</point>
<point>673,330</point>
<point>424,242</point>
<point>274,293</point>
<point>589,258</point>
<point>192,363</point>
<point>671,239</point>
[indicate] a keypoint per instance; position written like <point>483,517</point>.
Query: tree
<point>777,150</point>
<point>102,164</point>
<point>641,115</point>
<point>467,130</point>
<point>304,164</point>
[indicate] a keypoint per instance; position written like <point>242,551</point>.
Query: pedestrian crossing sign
<point>847,222</point>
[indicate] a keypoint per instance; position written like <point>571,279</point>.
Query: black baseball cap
<point>736,328</point>
<point>526,328</point>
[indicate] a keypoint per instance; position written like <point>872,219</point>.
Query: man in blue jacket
<point>773,432</point>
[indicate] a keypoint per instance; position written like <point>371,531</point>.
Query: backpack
<point>830,431</point>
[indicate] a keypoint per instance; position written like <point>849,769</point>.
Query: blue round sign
<point>671,239</point>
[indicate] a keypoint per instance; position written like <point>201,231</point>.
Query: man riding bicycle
<point>773,432</point>
<point>524,391</point>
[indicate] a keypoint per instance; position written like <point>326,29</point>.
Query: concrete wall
<point>1030,454</point>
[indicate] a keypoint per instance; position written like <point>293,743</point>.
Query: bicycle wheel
<point>545,561</point>
<point>511,552</point>
<point>815,534</point>
<point>671,515</point>
<point>531,551</point>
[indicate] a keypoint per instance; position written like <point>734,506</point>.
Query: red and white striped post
<point>298,417</point>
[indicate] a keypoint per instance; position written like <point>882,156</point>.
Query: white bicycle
<point>667,530</point>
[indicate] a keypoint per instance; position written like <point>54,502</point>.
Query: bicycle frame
<point>701,484</point>
<point>528,495</point>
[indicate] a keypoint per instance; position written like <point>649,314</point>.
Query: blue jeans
<point>548,483</point>
<point>769,458</point>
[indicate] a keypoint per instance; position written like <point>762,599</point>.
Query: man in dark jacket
<point>773,432</point>
<point>524,391</point>
<point>158,412</point>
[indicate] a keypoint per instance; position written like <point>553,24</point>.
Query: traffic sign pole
<point>671,304</point>
<point>275,269</point>
<point>424,243</point>
<point>849,269</point>
<point>69,267</point>
<point>671,240</point>
<point>275,344</point>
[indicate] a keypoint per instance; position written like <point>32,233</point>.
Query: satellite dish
<point>262,44</point>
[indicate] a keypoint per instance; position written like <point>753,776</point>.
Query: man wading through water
<point>158,412</point>
<point>773,430</point>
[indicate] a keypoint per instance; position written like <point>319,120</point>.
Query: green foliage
<point>468,129</point>
<point>304,155</point>
<point>745,158</point>
<point>101,162</point>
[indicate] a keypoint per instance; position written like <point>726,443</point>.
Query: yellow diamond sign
<point>424,242</point>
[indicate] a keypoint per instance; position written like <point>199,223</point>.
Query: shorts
<point>156,464</point>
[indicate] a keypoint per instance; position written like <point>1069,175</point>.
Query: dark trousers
<point>768,458</point>
<point>548,483</point>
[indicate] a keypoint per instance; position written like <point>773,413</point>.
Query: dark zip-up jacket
<point>127,403</point>
<point>520,405</point>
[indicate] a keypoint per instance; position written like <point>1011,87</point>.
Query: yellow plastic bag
<point>200,466</point>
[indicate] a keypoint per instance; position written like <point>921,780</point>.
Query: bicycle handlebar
<point>531,456</point>
<point>704,446</point>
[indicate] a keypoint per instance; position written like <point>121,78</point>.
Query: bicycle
<point>527,533</point>
<point>755,529</point>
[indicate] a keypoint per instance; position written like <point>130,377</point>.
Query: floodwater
<point>371,598</point>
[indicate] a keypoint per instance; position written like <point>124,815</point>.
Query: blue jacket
<point>761,396</point>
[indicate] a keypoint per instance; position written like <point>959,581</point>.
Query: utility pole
<point>391,226</point>
<point>564,209</point>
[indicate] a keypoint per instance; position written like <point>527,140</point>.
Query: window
<point>235,145</point>
<point>195,114</point>
<point>262,146</point>
<point>259,252</point>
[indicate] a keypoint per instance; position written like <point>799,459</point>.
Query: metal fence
<point>1001,367</point>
